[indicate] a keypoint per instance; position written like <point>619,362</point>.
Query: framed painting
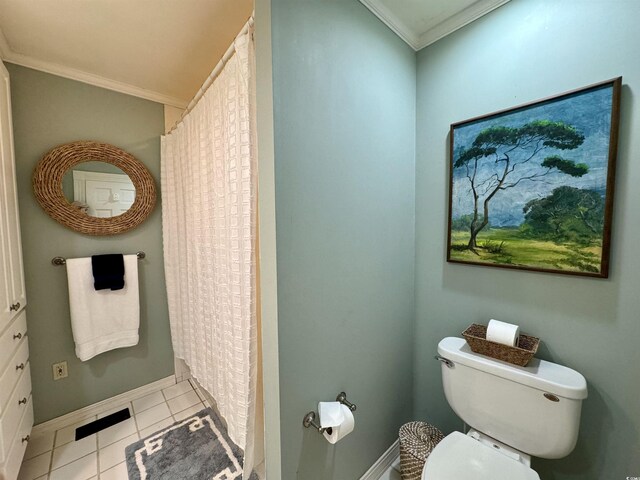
<point>531,187</point>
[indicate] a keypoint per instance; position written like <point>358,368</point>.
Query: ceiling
<point>162,50</point>
<point>422,22</point>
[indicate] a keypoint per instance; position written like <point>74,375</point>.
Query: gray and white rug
<point>196,448</point>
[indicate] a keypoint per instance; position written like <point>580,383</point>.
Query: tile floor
<point>56,456</point>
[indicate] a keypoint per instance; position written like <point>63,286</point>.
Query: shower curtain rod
<point>214,73</point>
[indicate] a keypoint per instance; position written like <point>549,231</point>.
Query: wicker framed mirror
<point>48,188</point>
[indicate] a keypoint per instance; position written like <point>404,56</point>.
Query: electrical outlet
<point>60,370</point>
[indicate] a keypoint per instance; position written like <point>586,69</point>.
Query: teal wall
<point>49,111</point>
<point>523,51</point>
<point>344,118</point>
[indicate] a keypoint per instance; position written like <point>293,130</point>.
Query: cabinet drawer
<point>12,372</point>
<point>10,469</point>
<point>11,337</point>
<point>10,419</point>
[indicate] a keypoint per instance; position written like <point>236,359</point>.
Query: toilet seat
<point>460,457</point>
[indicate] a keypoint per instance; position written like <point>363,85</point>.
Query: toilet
<point>513,413</point>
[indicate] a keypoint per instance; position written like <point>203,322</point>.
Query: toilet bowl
<point>514,413</point>
<point>460,457</point>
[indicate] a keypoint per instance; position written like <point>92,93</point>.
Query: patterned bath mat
<point>196,448</point>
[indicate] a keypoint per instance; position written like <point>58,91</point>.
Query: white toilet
<point>513,413</point>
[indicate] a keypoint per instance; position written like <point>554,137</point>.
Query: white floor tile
<point>116,409</point>
<point>178,404</point>
<point>82,460</point>
<point>119,472</point>
<point>177,389</point>
<point>39,444</point>
<point>206,398</point>
<point>76,420</point>
<point>82,469</point>
<point>210,402</point>
<point>200,394</point>
<point>35,467</point>
<point>114,454</point>
<point>73,451</point>
<point>145,432</point>
<point>188,412</point>
<point>153,415</point>
<point>68,434</point>
<point>145,403</point>
<point>116,432</point>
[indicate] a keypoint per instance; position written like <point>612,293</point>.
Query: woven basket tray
<point>417,440</point>
<point>520,355</point>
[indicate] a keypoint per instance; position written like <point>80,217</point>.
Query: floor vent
<point>102,423</point>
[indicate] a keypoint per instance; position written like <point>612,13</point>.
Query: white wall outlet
<point>60,370</point>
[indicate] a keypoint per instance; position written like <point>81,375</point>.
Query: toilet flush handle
<point>446,361</point>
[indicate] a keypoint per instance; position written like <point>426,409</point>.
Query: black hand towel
<point>108,271</point>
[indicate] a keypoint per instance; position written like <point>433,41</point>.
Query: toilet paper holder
<point>309,418</point>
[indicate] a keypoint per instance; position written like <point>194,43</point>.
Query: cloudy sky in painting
<point>589,113</point>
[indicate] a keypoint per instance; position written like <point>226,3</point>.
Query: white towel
<point>102,320</point>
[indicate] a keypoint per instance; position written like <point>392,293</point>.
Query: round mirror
<point>99,189</point>
<point>94,188</point>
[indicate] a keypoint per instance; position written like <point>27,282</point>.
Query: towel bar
<point>58,261</point>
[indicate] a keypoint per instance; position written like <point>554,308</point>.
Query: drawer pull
<point>24,400</point>
<point>15,307</point>
<point>26,439</point>
<point>20,367</point>
<point>17,336</point>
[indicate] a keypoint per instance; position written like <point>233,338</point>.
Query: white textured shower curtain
<point>209,230</point>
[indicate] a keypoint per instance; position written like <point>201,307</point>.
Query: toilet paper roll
<point>502,332</point>
<point>342,430</point>
<point>330,413</point>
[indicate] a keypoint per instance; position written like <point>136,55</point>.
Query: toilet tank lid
<point>540,374</point>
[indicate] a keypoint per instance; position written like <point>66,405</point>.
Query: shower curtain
<point>209,234</point>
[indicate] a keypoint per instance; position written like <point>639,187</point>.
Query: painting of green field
<point>507,246</point>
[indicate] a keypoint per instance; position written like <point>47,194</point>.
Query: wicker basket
<point>417,440</point>
<point>520,355</point>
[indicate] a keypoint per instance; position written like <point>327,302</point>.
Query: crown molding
<point>393,22</point>
<point>92,79</point>
<point>10,56</point>
<point>459,20</point>
<point>419,41</point>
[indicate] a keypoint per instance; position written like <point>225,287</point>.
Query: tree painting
<point>529,187</point>
<point>500,145</point>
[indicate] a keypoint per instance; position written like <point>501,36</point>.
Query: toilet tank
<point>534,409</point>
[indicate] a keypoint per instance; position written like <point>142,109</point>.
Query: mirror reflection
<point>98,189</point>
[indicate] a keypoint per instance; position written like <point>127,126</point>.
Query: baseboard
<point>383,463</point>
<point>99,407</point>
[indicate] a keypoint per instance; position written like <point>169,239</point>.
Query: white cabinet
<point>16,410</point>
<point>12,293</point>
